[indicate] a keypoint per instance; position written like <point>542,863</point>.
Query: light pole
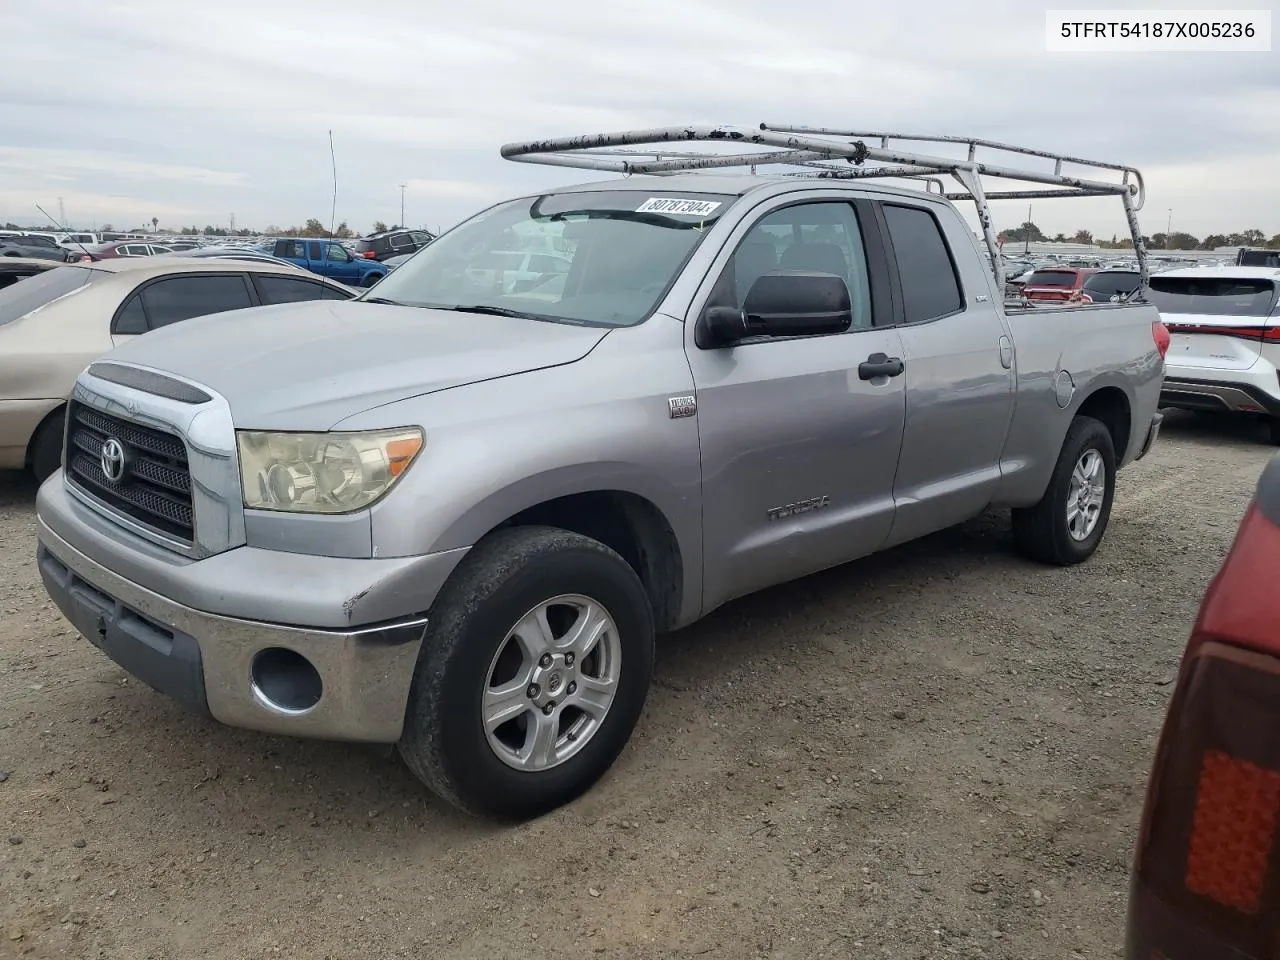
<point>1168,229</point>
<point>402,189</point>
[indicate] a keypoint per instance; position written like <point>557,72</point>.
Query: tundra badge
<point>800,506</point>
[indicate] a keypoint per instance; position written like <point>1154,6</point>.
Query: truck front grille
<point>154,487</point>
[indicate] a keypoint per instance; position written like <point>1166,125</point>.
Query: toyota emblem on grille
<point>112,459</point>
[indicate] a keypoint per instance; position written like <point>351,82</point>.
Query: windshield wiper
<point>493,311</point>
<point>390,303</point>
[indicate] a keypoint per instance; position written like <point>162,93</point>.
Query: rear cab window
<point>42,289</point>
<point>1214,296</point>
<point>1052,278</point>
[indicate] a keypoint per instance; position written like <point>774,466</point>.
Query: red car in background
<point>1206,874</point>
<point>1056,283</point>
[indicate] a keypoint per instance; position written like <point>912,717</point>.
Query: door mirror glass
<point>794,303</point>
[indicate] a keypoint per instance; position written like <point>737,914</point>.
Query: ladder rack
<point>827,153</point>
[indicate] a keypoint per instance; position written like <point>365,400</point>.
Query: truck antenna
<point>333,162</point>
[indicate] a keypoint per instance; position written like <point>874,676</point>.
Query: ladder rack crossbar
<point>829,153</point>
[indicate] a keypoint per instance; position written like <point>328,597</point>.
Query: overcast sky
<point>192,111</point>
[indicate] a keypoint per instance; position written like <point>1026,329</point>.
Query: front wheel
<point>371,279</point>
<point>1068,523</point>
<point>533,673</point>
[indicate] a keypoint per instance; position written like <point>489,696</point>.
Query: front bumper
<point>194,630</point>
<point>206,662</point>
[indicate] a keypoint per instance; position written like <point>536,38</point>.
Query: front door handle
<point>880,365</point>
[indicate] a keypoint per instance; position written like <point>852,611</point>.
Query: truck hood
<point>307,366</point>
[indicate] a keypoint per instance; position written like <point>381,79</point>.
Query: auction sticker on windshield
<point>684,208</point>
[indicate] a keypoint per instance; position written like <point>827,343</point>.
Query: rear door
<point>1217,323</point>
<point>958,375</point>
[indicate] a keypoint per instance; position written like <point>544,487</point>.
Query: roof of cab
<point>738,184</point>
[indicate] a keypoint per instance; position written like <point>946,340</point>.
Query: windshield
<point>1214,296</point>
<point>37,291</point>
<point>617,250</point>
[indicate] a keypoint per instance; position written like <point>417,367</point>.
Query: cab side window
<point>823,237</point>
<point>930,287</point>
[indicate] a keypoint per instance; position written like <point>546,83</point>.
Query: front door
<point>798,450</point>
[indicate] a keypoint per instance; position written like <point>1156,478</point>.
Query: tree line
<point>1176,240</point>
<point>312,228</point>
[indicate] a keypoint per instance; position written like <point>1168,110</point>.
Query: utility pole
<point>62,214</point>
<point>1026,244</point>
<point>402,189</point>
<point>1168,229</point>
<point>233,223</point>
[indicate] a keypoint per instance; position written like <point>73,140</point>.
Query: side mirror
<point>783,304</point>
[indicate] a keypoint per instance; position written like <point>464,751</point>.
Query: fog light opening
<point>285,681</point>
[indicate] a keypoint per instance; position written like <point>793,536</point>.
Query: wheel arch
<point>629,524</point>
<point>29,459</point>
<point>1109,404</point>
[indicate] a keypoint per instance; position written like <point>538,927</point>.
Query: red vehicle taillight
<point>1160,334</point>
<point>369,255</point>
<point>1207,869</point>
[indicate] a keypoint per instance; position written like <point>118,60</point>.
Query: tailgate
<point>1215,343</point>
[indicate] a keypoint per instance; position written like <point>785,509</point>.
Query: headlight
<point>322,472</point>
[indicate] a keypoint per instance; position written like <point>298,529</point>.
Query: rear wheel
<point>371,279</point>
<point>46,446</point>
<point>532,675</point>
<point>1068,523</point>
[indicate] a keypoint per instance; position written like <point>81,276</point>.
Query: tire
<point>46,446</point>
<point>1043,532</point>
<point>468,646</point>
<point>1273,424</point>
<point>371,278</point>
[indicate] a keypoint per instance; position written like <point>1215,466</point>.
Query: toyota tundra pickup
<point>452,514</point>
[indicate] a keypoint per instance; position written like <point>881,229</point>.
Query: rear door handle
<point>880,365</point>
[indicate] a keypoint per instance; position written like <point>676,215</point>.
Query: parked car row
<point>55,321</point>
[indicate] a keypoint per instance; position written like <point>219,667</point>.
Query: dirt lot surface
<point>935,752</point>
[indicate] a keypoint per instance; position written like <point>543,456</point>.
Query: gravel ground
<point>939,751</point>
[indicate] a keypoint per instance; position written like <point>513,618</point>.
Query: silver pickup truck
<point>453,513</point>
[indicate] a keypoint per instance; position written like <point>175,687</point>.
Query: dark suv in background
<point>1107,286</point>
<point>392,243</point>
<point>35,246</point>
